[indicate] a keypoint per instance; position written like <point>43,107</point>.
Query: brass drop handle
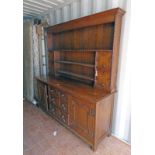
<point>63,107</point>
<point>63,118</point>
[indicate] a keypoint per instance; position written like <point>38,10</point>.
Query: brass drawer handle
<point>63,118</point>
<point>63,107</point>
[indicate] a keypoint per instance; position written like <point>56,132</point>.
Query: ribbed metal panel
<point>27,61</point>
<point>76,9</point>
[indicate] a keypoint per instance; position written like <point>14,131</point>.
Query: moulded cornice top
<point>90,20</point>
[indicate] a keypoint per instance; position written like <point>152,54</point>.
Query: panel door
<point>81,118</point>
<point>42,95</point>
<point>103,69</point>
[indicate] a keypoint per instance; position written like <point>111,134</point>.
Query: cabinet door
<point>103,70</point>
<point>81,118</point>
<point>42,95</point>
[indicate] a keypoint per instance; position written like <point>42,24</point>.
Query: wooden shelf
<point>76,75</point>
<point>75,63</point>
<point>82,50</point>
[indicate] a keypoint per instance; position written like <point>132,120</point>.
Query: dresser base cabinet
<point>91,121</point>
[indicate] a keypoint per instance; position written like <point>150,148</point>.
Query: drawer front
<point>57,113</point>
<point>53,110</point>
<point>58,104</point>
<point>54,96</point>
<point>53,93</point>
<point>64,102</point>
<point>63,117</point>
<point>54,101</point>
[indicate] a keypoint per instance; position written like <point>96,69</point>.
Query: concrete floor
<point>39,140</point>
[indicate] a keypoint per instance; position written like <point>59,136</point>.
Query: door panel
<point>103,69</point>
<point>42,95</point>
<point>80,118</point>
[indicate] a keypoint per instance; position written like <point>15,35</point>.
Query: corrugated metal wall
<point>76,9</point>
<point>27,61</point>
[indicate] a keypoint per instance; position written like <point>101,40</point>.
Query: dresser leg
<point>94,147</point>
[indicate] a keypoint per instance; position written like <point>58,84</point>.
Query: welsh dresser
<point>82,72</point>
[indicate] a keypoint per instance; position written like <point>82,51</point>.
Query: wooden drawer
<point>53,93</point>
<point>57,113</point>
<point>64,102</point>
<point>54,101</point>
<point>53,110</point>
<point>63,117</point>
<point>64,107</point>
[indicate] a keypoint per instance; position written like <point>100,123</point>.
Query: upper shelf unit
<point>86,49</point>
<point>91,32</point>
